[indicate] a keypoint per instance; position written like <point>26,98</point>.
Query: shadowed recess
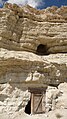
<point>42,50</point>
<point>28,107</point>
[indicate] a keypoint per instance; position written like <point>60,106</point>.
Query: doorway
<point>28,107</point>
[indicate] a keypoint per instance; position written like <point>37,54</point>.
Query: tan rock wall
<point>25,30</point>
<point>17,66</point>
<point>22,31</point>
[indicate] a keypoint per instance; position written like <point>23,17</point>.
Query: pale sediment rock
<point>17,66</point>
<point>33,53</point>
<point>27,28</point>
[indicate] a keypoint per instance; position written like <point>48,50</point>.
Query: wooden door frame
<point>35,91</point>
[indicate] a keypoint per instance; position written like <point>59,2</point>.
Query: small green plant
<point>58,115</point>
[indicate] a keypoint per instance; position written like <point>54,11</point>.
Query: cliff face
<point>26,28</point>
<point>33,51</point>
<point>42,32</point>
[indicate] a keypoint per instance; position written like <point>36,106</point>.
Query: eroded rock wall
<point>14,98</point>
<point>24,31</point>
<point>26,28</point>
<point>19,67</point>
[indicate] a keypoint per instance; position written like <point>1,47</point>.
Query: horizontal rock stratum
<point>26,28</point>
<point>17,66</point>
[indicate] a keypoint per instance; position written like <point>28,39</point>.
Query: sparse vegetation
<point>58,115</point>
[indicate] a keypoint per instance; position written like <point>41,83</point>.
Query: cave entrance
<point>42,50</point>
<point>28,107</point>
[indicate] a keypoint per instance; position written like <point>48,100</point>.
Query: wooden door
<point>37,100</point>
<point>37,105</point>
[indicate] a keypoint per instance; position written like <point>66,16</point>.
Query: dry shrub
<point>58,115</point>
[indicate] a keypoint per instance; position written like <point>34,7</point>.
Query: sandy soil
<point>56,114</point>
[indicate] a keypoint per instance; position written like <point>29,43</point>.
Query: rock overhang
<point>31,68</point>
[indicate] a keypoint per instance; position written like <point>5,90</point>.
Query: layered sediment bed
<point>17,66</point>
<point>26,28</point>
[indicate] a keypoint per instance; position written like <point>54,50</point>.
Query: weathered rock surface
<point>17,66</point>
<point>33,53</point>
<point>26,28</point>
<point>15,99</point>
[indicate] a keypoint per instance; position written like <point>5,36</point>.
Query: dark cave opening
<point>42,50</point>
<point>28,107</point>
